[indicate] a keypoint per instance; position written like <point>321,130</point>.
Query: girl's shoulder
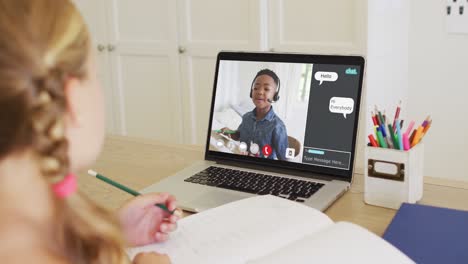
<point>20,242</point>
<point>29,255</point>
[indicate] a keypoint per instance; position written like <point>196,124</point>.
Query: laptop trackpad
<point>214,198</point>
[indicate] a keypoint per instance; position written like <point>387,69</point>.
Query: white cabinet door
<point>317,26</point>
<point>205,28</point>
<point>94,13</point>
<point>145,66</point>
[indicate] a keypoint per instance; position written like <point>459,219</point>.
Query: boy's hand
<point>224,130</point>
<point>233,134</point>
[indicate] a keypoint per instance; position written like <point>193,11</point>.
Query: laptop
<point>281,124</point>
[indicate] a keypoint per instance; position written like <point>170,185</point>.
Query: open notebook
<point>268,229</point>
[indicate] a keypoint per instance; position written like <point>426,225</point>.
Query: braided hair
<point>42,43</point>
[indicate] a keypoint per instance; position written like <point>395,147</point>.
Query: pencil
<point>381,139</point>
<point>373,141</point>
<point>399,135</point>
<point>124,188</point>
<point>427,127</point>
<point>393,137</point>
<point>225,131</point>
<point>397,114</point>
<point>374,119</point>
<point>410,127</point>
<point>417,136</point>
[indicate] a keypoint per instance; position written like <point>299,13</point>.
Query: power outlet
<point>456,12</point>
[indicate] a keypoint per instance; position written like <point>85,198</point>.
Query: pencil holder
<point>393,176</point>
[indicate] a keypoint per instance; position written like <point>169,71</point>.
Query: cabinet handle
<point>101,47</point>
<point>182,50</point>
<point>110,48</point>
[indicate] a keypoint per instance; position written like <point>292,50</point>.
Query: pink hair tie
<point>66,187</point>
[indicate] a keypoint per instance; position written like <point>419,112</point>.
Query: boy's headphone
<point>275,78</point>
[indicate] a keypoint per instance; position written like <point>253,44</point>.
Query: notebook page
<point>239,231</point>
<point>339,243</point>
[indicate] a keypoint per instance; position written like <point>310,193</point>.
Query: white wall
<point>438,84</point>
<point>411,57</point>
<point>387,56</point>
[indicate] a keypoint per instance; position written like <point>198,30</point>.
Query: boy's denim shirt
<point>270,130</point>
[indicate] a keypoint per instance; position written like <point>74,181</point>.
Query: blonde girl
<point>51,126</point>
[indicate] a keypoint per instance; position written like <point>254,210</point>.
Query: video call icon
<point>243,147</point>
<point>254,148</point>
<point>231,145</point>
<point>290,153</point>
<point>267,150</point>
<point>220,143</point>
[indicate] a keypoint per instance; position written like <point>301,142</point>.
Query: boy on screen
<point>261,129</point>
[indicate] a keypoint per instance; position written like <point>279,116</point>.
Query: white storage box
<point>393,176</point>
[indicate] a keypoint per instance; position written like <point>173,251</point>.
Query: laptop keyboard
<point>256,183</point>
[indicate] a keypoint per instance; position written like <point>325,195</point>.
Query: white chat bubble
<point>326,76</point>
<point>341,105</point>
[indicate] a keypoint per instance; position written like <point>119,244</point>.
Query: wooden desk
<point>139,163</point>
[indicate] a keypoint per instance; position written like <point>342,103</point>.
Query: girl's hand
<point>144,223</point>
<point>153,258</point>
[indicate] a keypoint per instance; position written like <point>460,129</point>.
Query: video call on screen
<point>311,122</point>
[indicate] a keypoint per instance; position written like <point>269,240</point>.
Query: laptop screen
<point>289,111</point>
